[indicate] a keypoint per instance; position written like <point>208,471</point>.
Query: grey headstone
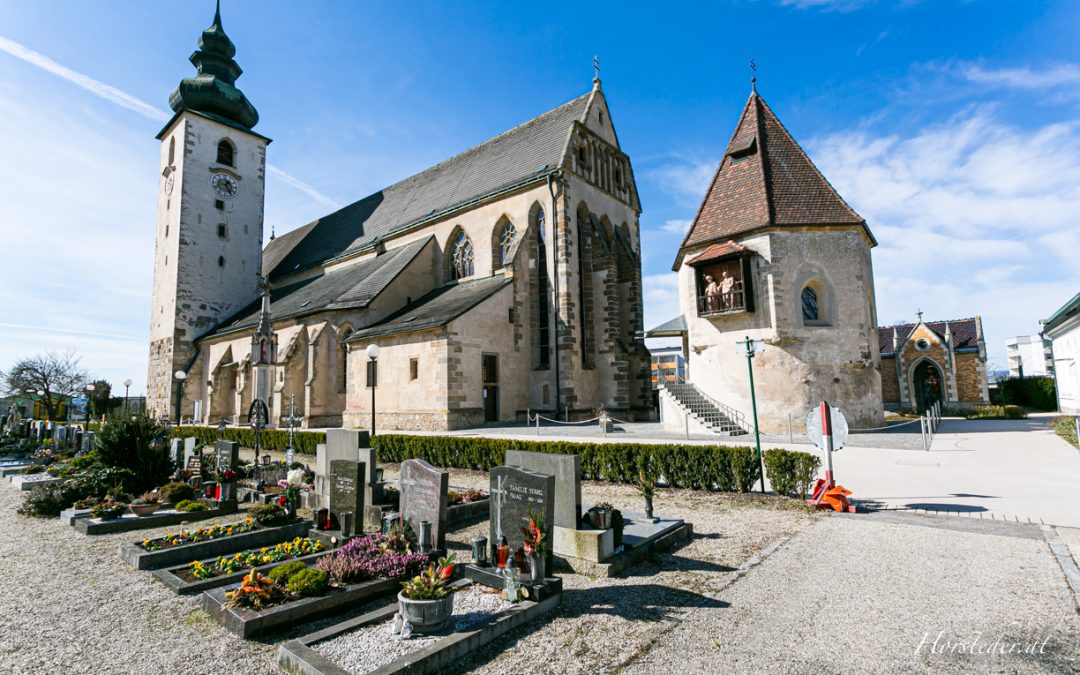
<point>423,497</point>
<point>174,451</point>
<point>228,455</point>
<point>567,472</point>
<point>189,451</point>
<point>346,490</point>
<point>513,492</point>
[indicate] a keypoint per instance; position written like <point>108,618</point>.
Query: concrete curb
<point>1065,559</point>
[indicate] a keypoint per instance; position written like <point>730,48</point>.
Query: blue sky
<point>950,126</point>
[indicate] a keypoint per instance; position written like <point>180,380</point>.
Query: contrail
<point>135,104</point>
<point>71,331</point>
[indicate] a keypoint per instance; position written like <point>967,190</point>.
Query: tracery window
<point>506,241</point>
<point>462,259</point>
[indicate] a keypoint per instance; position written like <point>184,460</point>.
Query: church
<point>503,280</point>
<point>776,255</point>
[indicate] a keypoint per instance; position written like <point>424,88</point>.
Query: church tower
<point>208,253</point>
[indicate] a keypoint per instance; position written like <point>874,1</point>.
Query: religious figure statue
<point>727,290</point>
<point>712,294</point>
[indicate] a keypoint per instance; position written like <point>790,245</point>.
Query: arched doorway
<point>926,383</point>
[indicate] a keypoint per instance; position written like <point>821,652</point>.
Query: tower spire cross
<point>753,76</point>
<point>596,68</point>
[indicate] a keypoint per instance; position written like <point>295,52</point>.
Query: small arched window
<point>810,304</point>
<point>462,259</point>
<point>226,153</point>
<point>506,242</point>
<point>172,150</point>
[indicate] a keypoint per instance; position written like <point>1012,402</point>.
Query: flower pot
<point>536,569</point>
<point>143,510</point>
<point>426,616</point>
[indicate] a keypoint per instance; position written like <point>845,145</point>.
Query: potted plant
<point>291,486</point>
<point>535,546</point>
<point>146,504</point>
<point>426,601</point>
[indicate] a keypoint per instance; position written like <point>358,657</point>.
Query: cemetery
<point>346,562</point>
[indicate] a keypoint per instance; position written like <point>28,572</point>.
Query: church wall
<point>970,371</point>
<point>801,364</point>
<point>191,291</point>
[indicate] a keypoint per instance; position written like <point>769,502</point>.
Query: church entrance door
<point>926,383</point>
<point>490,367</point>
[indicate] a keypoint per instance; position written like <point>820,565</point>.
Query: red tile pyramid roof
<point>715,252</point>
<point>765,179</point>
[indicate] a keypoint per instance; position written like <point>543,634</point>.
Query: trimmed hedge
<point>698,467</point>
<point>995,412</point>
<point>304,442</point>
<point>1032,392</point>
<point>790,472</point>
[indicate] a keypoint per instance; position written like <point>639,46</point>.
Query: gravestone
<point>567,472</point>
<point>423,497</point>
<point>228,455</point>
<point>513,492</point>
<point>340,444</point>
<point>346,489</point>
<point>174,452</point>
<point>189,450</point>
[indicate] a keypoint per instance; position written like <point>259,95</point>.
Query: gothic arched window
<point>542,306</point>
<point>809,304</point>
<point>506,242</point>
<point>226,153</point>
<point>462,263</point>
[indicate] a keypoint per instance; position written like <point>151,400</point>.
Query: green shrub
<point>47,501</point>
<point>177,492</point>
<point>282,573</point>
<point>995,412</point>
<point>791,473</point>
<point>187,506</point>
<point>268,514</point>
<point>1066,428</point>
<point>1031,392</point>
<point>308,581</point>
<point>304,442</point>
<point>138,444</point>
<point>33,469</point>
<point>690,466</point>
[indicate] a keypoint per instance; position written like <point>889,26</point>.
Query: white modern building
<point>1030,356</point>
<point>1063,330</point>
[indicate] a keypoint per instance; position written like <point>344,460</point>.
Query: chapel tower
<point>208,251</point>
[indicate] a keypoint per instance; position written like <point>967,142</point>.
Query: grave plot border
<point>141,559</point>
<point>129,522</point>
<point>299,656</point>
<point>21,482</point>
<point>250,623</point>
<point>459,514</point>
<point>169,577</point>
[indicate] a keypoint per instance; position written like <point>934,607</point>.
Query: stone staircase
<point>719,418</point>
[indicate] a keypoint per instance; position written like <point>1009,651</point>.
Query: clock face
<point>169,180</point>
<point>225,185</point>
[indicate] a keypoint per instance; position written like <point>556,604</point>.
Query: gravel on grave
<point>365,649</point>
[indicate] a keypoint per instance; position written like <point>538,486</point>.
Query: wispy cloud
<point>1058,75</point>
<point>135,104</point>
<point>677,226</point>
<point>685,179</point>
<point>828,5</point>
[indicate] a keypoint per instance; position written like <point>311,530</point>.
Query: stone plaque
<point>567,472</point>
<point>228,455</point>
<point>513,492</point>
<point>346,489</point>
<point>423,497</point>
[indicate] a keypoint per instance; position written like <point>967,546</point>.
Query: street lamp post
<point>89,403</point>
<point>373,377</point>
<point>127,386</point>
<point>750,348</point>
<point>41,394</point>
<point>180,377</point>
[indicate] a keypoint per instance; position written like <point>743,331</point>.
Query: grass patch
<point>1066,428</point>
<point>995,412</point>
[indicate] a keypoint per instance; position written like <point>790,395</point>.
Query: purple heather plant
<point>370,558</point>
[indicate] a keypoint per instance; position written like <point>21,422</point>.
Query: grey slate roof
<point>965,334</point>
<point>526,153</point>
<point>351,287</point>
<point>437,308</point>
<point>670,328</point>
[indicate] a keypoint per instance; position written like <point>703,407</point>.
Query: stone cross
<point>498,498</point>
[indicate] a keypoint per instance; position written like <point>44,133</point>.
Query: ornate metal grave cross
<point>292,419</point>
<point>257,419</point>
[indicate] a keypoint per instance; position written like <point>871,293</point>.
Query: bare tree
<point>58,376</point>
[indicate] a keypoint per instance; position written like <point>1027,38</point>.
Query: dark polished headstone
<point>346,489</point>
<point>514,492</point>
<point>567,472</point>
<point>228,455</point>
<point>423,497</point>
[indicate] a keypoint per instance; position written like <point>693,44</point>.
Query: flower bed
<point>137,555</point>
<point>128,521</point>
<point>186,536</point>
<point>198,576</point>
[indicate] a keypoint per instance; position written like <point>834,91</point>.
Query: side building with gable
<point>774,254</point>
<point>503,280</point>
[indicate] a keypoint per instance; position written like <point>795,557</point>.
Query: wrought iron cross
<point>292,419</point>
<point>596,66</point>
<point>753,75</point>
<point>258,423</point>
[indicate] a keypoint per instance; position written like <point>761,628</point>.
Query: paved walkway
<point>885,592</point>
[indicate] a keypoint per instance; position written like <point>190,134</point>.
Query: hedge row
<point>304,442</point>
<point>791,473</point>
<point>722,468</point>
<point>1032,392</point>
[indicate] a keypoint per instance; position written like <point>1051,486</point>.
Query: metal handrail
<point>734,416</point>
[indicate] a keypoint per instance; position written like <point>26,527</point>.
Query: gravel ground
<point>367,648</point>
<point>861,594</point>
<point>72,606</point>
